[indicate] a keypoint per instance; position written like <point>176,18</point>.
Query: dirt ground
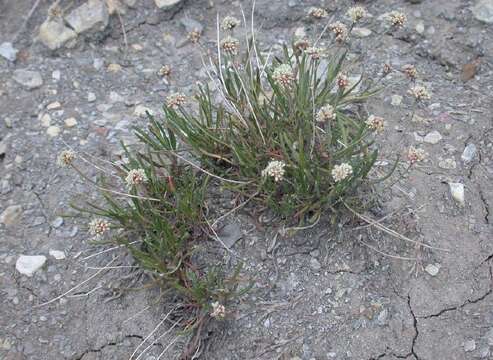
<point>321,295</point>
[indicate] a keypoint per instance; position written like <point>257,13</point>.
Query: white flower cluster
<point>342,171</point>
<point>218,310</point>
<point>97,227</point>
<point>136,177</point>
<point>316,52</point>
<point>283,75</point>
<point>175,100</point>
<point>317,13</point>
<point>397,19</point>
<point>326,113</point>
<point>65,158</point>
<point>414,155</point>
<point>342,81</point>
<point>229,23</point>
<point>275,169</point>
<point>410,71</point>
<point>230,45</point>
<point>340,30</point>
<point>419,92</point>
<point>375,123</point>
<point>356,13</point>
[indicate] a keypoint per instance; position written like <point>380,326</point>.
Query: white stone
<point>29,79</point>
<point>448,164</point>
<point>70,122</point>
<point>457,192</point>
<point>469,346</point>
<point>433,137</point>
<point>420,27</point>
<point>140,110</point>
<point>93,15</point>
<point>361,32</point>
<point>115,97</point>
<point>57,254</point>
<point>54,34</point>
<point>54,105</point>
<point>8,51</point>
<point>432,269</point>
<point>166,4</point>
<point>396,100</point>
<point>46,120</point>
<point>469,153</point>
<point>483,11</point>
<point>56,75</point>
<point>53,131</point>
<point>29,264</point>
<point>11,215</point>
<point>91,97</point>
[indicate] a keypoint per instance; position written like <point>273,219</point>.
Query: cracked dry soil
<point>320,295</point>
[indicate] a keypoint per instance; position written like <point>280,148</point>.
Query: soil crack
<point>111,343</point>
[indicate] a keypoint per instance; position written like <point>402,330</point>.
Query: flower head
<point>97,227</point>
<point>301,44</point>
<point>342,81</point>
<point>283,75</point>
<point>317,13</point>
<point>326,113</point>
<point>410,71</point>
<point>342,171</point>
<point>165,70</point>
<point>356,13</point>
<point>65,158</point>
<point>375,123</point>
<point>414,155</point>
<point>275,169</point>
<point>315,52</point>
<point>194,36</point>
<point>419,92</point>
<point>340,30</point>
<point>230,45</point>
<point>218,310</point>
<point>136,177</point>
<point>397,19</point>
<point>387,69</point>
<point>175,100</point>
<point>229,23</point>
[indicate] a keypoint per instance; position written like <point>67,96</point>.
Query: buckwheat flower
<point>387,69</point>
<point>230,45</point>
<point>342,171</point>
<point>375,123</point>
<point>275,169</point>
<point>218,310</point>
<point>315,52</point>
<point>317,13</point>
<point>326,113</point>
<point>342,81</point>
<point>397,19</point>
<point>136,177</point>
<point>410,71</point>
<point>283,75</point>
<point>356,13</point>
<point>419,92</point>
<point>229,23</point>
<point>340,31</point>
<point>175,100</point>
<point>165,70</point>
<point>301,45</point>
<point>65,158</point>
<point>97,227</point>
<point>194,36</point>
<point>414,155</point>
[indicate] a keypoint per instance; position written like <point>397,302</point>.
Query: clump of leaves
<point>290,131</point>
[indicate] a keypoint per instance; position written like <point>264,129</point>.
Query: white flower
<point>410,71</point>
<point>342,171</point>
<point>218,310</point>
<point>97,227</point>
<point>194,36</point>
<point>326,113</point>
<point>275,169</point>
<point>375,123</point>
<point>397,19</point>
<point>317,13</point>
<point>136,177</point>
<point>356,13</point>
<point>283,75</point>
<point>229,23</point>
<point>340,30</point>
<point>342,81</point>
<point>419,92</point>
<point>230,45</point>
<point>315,52</point>
<point>175,100</point>
<point>65,158</point>
<point>414,155</point>
<point>165,70</point>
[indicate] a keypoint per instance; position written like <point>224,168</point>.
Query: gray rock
<point>167,4</point>
<point>57,222</point>
<point>382,317</point>
<point>361,32</point>
<point>432,269</point>
<point>8,51</point>
<point>315,264</point>
<point>469,153</point>
<point>230,234</point>
<point>11,215</point>
<point>469,346</point>
<point>29,79</point>
<point>57,254</point>
<point>483,11</point>
<point>54,34</point>
<point>457,192</point>
<point>93,15</point>
<point>489,337</point>
<point>29,264</point>
<point>191,25</point>
<point>433,137</point>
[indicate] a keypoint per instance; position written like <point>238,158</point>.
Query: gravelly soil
<point>320,295</point>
